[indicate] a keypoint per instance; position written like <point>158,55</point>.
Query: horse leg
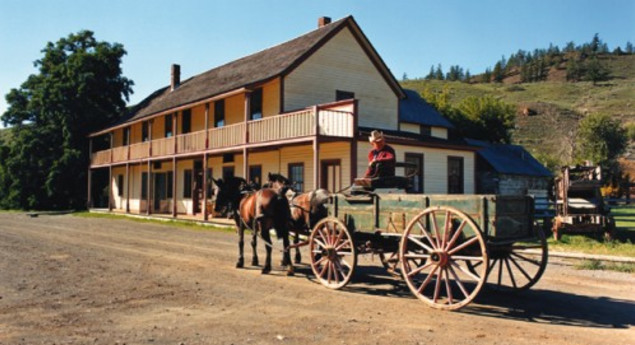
<point>286,253</point>
<point>296,240</point>
<point>266,237</point>
<point>241,242</point>
<point>254,242</point>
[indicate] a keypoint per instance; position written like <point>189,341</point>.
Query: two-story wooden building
<point>303,108</point>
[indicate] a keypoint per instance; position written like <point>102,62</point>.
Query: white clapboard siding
<point>342,64</point>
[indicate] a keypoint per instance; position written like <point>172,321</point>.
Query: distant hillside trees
<point>79,88</point>
<point>485,118</point>
<point>582,63</point>
<point>601,139</point>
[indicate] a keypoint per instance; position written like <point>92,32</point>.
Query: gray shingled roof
<point>509,159</point>
<point>245,71</point>
<point>414,109</point>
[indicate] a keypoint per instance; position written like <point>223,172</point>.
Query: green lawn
<point>168,222</point>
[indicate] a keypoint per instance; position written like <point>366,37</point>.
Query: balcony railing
<point>163,146</point>
<point>139,150</point>
<point>280,127</point>
<point>227,136</point>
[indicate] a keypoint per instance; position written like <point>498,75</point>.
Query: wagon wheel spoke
<point>467,258</point>
<point>473,276</point>
<point>419,269</point>
<point>346,263</point>
<point>427,280</point>
<point>446,229</point>
<point>319,243</point>
<point>537,263</point>
<point>500,271</point>
<point>447,286</point>
<point>419,243</point>
<point>458,282</point>
<point>436,229</point>
<point>463,245</point>
<point>321,260</point>
<point>324,268</point>
<point>456,235</point>
<point>519,268</point>
<point>330,242</point>
<point>339,237</point>
<point>427,236</point>
<point>416,256</point>
<point>437,285</point>
<point>511,275</point>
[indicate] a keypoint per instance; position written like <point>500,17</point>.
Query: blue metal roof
<point>414,109</point>
<point>509,159</point>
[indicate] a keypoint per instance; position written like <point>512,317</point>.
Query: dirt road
<point>72,280</point>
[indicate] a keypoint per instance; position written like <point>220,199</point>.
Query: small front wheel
<point>333,254</point>
<point>443,258</point>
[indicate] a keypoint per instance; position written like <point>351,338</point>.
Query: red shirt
<point>386,159</point>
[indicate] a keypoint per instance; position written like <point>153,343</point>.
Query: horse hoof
<point>254,262</point>
<point>266,270</point>
<point>290,273</point>
<point>240,264</point>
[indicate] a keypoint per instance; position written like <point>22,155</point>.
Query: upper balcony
<point>288,127</point>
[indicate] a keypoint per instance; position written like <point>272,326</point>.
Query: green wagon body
<point>500,218</point>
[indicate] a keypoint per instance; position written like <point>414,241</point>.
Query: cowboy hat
<point>376,136</point>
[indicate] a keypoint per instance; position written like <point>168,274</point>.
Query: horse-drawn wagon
<point>446,247</point>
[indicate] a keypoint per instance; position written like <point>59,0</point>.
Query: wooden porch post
<point>112,144</point>
<point>205,215</point>
<point>127,187</point>
<point>354,143</point>
<point>90,161</point>
<point>245,151</point>
<point>316,149</point>
<point>149,184</point>
<point>174,124</point>
<point>174,179</point>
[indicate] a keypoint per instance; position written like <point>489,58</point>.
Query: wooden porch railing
<point>227,136</point>
<point>190,142</point>
<point>293,125</point>
<point>100,157</point>
<point>139,150</point>
<point>336,123</point>
<point>163,147</point>
<point>119,154</point>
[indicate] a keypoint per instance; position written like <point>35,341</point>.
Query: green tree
<point>595,71</point>
<point>438,74</point>
<point>497,74</point>
<point>78,90</point>
<point>486,77</point>
<point>486,118</point>
<point>601,139</point>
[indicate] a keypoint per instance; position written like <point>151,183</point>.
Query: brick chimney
<point>175,78</point>
<point>323,21</point>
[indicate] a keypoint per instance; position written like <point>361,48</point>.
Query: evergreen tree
<point>574,70</point>
<point>486,77</point>
<point>404,77</point>
<point>467,76</point>
<point>629,48</point>
<point>79,89</point>
<point>438,74</point>
<point>595,71</point>
<point>570,47</point>
<point>497,74</point>
<point>431,75</point>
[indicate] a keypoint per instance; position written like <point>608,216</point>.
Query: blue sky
<point>199,35</point>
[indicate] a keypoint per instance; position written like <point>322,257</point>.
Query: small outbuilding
<point>508,170</point>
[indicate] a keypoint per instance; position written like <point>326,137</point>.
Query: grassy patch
<point>168,222</point>
<point>623,243</point>
<point>610,266</point>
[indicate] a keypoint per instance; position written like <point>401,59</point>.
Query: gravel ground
<point>72,280</point>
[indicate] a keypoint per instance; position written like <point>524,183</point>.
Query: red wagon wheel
<point>518,265</point>
<point>333,254</point>
<point>437,250</point>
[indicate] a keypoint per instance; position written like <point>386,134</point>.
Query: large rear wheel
<point>437,250</point>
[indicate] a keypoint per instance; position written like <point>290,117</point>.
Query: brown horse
<point>306,208</point>
<point>259,211</point>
